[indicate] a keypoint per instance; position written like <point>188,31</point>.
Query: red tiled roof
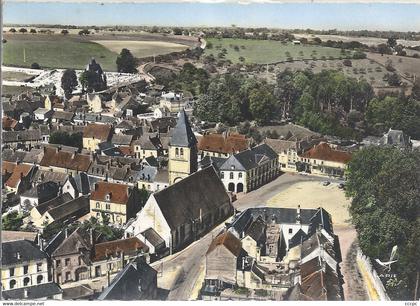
<point>58,158</point>
<point>97,131</point>
<point>232,143</point>
<point>126,150</point>
<point>9,123</point>
<point>126,246</point>
<point>7,167</point>
<point>323,151</point>
<point>118,193</point>
<point>228,240</point>
<point>14,179</point>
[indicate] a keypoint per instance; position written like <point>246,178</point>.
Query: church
<point>193,204</point>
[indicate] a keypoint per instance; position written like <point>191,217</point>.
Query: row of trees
<point>64,138</point>
<point>384,186</point>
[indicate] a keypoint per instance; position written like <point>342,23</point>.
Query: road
<point>182,273</point>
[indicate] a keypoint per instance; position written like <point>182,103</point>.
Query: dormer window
<point>108,197</point>
<point>232,167</point>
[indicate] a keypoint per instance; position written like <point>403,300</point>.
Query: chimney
<point>298,217</point>
<point>92,240</point>
<point>17,255</point>
<point>66,233</point>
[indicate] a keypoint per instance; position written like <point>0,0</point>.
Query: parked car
<point>341,185</point>
<point>326,183</point>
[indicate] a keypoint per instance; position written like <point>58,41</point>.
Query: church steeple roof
<point>183,135</point>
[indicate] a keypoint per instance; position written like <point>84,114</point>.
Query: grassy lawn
<point>57,53</point>
<point>15,76</point>
<point>142,48</point>
<point>267,51</point>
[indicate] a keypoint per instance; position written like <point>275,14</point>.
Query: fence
<point>373,283</point>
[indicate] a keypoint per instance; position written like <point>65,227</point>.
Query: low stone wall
<point>373,283</point>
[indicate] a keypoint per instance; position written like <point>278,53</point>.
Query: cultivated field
<point>60,52</point>
<point>142,48</point>
<point>75,51</point>
<point>267,51</point>
<point>314,195</point>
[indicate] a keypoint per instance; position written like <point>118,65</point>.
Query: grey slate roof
<point>75,207</point>
<point>125,285</point>
<point>396,138</point>
<point>250,158</point>
<point>45,176</point>
<point>34,292</point>
<point>271,214</point>
<point>28,251</point>
<point>18,136</point>
<point>81,183</point>
<point>121,139</point>
<point>154,238</point>
<point>182,202</point>
<point>13,156</point>
<point>42,191</point>
<point>182,134</point>
<point>57,201</point>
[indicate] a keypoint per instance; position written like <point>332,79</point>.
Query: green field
<point>57,53</point>
<point>269,51</point>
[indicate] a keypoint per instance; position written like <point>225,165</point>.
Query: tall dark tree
<point>126,62</point>
<point>69,81</point>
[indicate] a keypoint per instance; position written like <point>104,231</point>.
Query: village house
<point>172,102</point>
<point>10,124</point>
<point>223,258</point>
<point>62,117</point>
<point>88,118</point>
<point>396,138</point>
<point>249,169</point>
<point>148,145</point>
<point>222,145</point>
<point>184,211</point>
<point>19,180</point>
<point>21,139</point>
<point>112,256</point>
<point>94,134</point>
<point>94,102</point>
<point>137,281</point>
<point>71,259</point>
<point>116,201</point>
<point>38,194</point>
<point>287,151</point>
<point>60,208</point>
<point>43,115</point>
<point>324,160</point>
<point>24,273</point>
<point>58,160</point>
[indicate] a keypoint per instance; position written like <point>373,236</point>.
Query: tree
<point>12,221</point>
<point>126,62</point>
<point>383,185</point>
<point>261,104</point>
<point>35,66</point>
<point>359,55</point>
<point>347,63</point>
<point>64,32</point>
<point>391,42</point>
<point>84,32</point>
<point>23,30</point>
<point>69,82</point>
<point>177,31</point>
<point>12,30</point>
<point>32,31</point>
<point>64,138</point>
<point>393,79</point>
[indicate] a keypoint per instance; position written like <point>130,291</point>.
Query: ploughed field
<point>269,51</point>
<point>142,48</point>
